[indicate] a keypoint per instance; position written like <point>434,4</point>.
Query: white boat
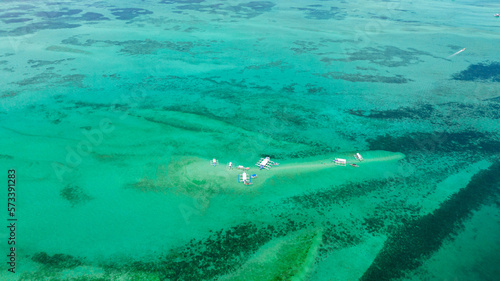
<point>340,161</point>
<point>265,163</point>
<point>358,157</point>
<point>245,179</point>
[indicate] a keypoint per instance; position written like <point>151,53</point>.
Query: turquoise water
<point>111,112</point>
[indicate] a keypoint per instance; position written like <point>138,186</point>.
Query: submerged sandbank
<point>195,176</point>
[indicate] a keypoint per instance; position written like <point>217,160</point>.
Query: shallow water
<point>111,111</point>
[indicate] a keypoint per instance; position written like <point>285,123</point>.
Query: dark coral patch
<point>25,7</point>
<point>181,1</point>
<point>129,13</point>
<point>410,245</point>
<point>453,111</point>
<point>74,41</point>
<point>38,79</point>
<point>373,224</point>
<point>320,14</point>
<point>93,16</point>
<point>151,47</point>
<point>220,253</point>
<point>333,196</point>
<point>75,195</point>
<point>53,14</point>
<point>17,20</point>
<point>356,77</point>
<point>136,47</point>
<point>334,237</point>
<point>259,6</point>
<point>250,9</point>
<point>305,47</point>
<point>495,99</point>
<point>41,63</point>
<point>34,27</point>
<point>11,15</point>
<point>437,142</point>
<point>57,261</point>
<point>490,110</point>
<point>75,80</point>
<point>274,64</point>
<point>480,72</point>
<point>419,112</point>
<point>202,258</point>
<point>386,56</point>
<point>243,10</point>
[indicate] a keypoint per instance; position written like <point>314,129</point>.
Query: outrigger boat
<point>244,179</point>
<point>340,161</point>
<point>265,163</point>
<point>358,157</point>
